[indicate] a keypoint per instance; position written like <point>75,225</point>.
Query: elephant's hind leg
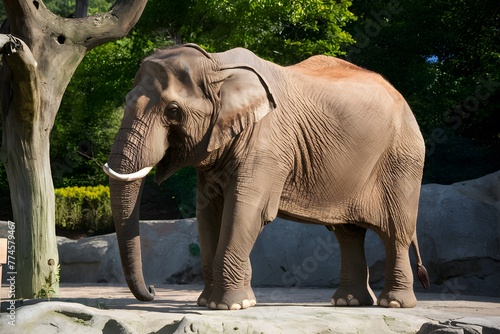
<point>354,289</point>
<point>396,234</point>
<point>398,287</point>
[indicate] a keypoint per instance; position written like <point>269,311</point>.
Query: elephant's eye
<point>173,112</point>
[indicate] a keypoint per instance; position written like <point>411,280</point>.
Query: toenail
<point>235,307</point>
<point>394,304</point>
<point>224,306</point>
<point>341,302</point>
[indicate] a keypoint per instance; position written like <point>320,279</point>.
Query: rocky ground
<point>112,309</point>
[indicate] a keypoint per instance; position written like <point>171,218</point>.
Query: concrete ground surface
<point>113,309</point>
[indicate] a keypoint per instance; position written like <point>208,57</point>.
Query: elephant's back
<point>327,66</point>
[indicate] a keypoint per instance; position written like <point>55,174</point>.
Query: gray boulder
<point>93,259</point>
<point>459,235</point>
<point>169,252</point>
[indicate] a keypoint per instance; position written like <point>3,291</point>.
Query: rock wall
<point>458,231</point>
<point>170,254</point>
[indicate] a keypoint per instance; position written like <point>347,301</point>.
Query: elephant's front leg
<point>208,215</point>
<point>248,284</point>
<point>241,224</point>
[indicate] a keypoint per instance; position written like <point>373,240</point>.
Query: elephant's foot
<point>397,299</point>
<point>353,297</point>
<point>204,296</point>
<point>232,300</point>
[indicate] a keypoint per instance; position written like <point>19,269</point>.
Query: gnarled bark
<point>48,50</point>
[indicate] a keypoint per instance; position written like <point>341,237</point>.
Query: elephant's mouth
<point>163,170</point>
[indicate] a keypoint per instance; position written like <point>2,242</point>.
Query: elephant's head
<point>184,106</point>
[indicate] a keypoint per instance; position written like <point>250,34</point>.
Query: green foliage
<point>89,116</point>
<point>283,32</point>
<point>182,188</point>
<point>84,208</point>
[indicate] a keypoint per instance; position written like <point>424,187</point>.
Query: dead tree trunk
<point>39,62</point>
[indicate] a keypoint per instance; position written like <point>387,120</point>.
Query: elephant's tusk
<point>126,177</point>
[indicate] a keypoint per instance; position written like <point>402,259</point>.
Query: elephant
<point>320,142</point>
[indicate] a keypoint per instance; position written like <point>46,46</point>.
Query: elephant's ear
<point>245,98</point>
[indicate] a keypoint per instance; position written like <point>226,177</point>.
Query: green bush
<point>84,208</point>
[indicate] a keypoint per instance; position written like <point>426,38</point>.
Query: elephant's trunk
<point>125,203</point>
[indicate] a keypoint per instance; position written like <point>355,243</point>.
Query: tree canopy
<point>283,32</point>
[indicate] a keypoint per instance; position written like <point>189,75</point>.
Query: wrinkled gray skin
<point>321,142</point>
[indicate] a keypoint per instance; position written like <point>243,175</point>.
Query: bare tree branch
<point>114,24</point>
<point>97,29</point>
<point>89,32</point>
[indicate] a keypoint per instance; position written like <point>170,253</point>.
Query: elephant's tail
<point>423,276</point>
